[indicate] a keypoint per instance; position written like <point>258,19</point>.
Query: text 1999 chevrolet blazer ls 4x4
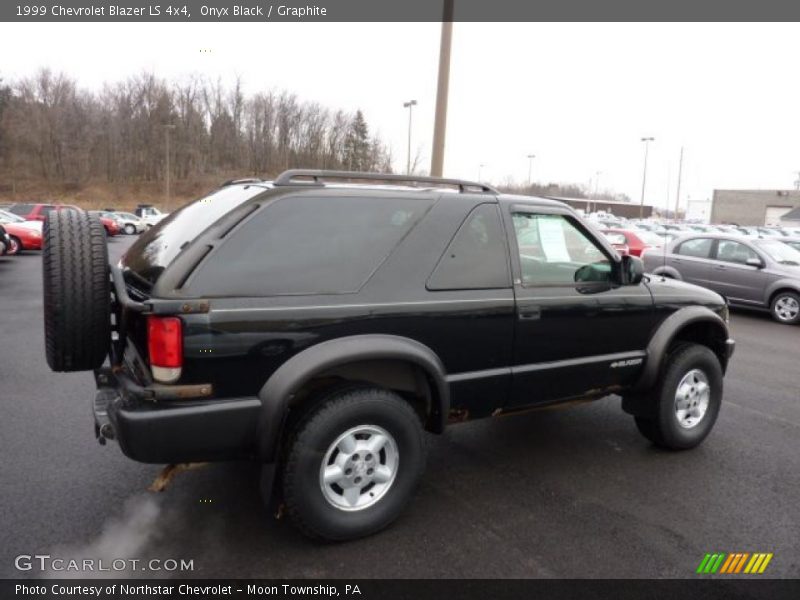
<point>321,328</point>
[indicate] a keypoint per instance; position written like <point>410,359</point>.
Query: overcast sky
<point>578,96</point>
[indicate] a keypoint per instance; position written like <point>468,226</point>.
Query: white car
<point>129,222</point>
<point>150,214</point>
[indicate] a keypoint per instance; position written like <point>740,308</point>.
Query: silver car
<point>748,272</point>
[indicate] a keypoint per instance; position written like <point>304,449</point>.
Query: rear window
<point>308,245</point>
<point>157,248</point>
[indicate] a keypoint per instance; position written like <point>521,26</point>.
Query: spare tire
<point>77,291</point>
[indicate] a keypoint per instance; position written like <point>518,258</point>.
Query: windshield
<point>127,216</point>
<point>7,217</point>
<point>780,252</point>
<point>157,247</point>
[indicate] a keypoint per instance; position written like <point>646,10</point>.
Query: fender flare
<point>277,393</point>
<point>665,334</point>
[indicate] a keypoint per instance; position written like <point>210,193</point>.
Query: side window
<point>308,245</point>
<point>477,257</point>
<point>731,251</point>
<point>20,209</point>
<point>554,251</point>
<point>698,247</point>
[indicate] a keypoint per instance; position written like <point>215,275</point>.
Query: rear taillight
<point>165,347</point>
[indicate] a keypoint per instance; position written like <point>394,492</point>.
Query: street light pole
<point>410,106</point>
<point>530,167</point>
<point>440,123</point>
<point>167,128</point>
<point>678,193</point>
<point>646,141</point>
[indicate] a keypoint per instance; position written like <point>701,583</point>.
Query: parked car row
<point>23,221</point>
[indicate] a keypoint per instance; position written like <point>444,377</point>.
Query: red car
<point>38,212</point>
<point>23,235</point>
<point>22,238</point>
<point>635,241</point>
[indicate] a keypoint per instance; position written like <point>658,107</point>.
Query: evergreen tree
<point>357,144</point>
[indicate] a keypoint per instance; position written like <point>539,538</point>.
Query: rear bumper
<point>176,431</point>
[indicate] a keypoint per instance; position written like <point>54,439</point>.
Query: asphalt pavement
<point>558,493</point>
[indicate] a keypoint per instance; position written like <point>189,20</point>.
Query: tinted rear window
<point>477,257</point>
<point>308,245</point>
<point>157,248</point>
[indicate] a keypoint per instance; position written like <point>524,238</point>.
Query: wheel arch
<point>697,324</point>
<point>782,285</point>
<point>384,360</point>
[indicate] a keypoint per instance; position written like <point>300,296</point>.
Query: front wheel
<point>15,247</point>
<point>785,308</point>
<point>353,464</point>
<point>130,229</point>
<point>689,398</point>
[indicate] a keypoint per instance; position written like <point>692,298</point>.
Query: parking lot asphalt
<point>557,493</point>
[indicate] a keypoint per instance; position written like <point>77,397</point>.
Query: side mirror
<point>632,270</point>
<point>754,262</point>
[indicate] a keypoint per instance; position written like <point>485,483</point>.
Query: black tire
<point>306,503</point>
<point>665,429</point>
<point>15,247</point>
<point>784,305</point>
<point>77,309</point>
<point>130,229</point>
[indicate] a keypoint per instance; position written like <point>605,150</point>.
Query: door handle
<point>720,268</point>
<point>530,314</point>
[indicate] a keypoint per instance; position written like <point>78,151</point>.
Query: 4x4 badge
<point>626,363</point>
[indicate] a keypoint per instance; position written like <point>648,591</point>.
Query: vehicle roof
<point>418,191</point>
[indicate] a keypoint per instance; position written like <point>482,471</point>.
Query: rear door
<point>576,330</point>
<point>692,259</point>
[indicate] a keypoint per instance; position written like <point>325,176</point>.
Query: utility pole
<point>410,106</point>
<point>440,124</point>
<point>167,128</point>
<point>678,193</point>
<point>646,141</point>
<point>530,168</point>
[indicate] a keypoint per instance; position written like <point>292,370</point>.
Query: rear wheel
<point>130,229</point>
<point>689,398</point>
<point>77,311</point>
<point>785,308</point>
<point>15,246</point>
<point>353,464</point>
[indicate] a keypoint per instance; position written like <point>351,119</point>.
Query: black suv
<point>320,328</point>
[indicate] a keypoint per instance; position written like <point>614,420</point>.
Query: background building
<point>753,207</point>
<point>629,210</point>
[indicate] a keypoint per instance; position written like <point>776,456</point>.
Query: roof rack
<point>316,176</point>
<point>243,180</point>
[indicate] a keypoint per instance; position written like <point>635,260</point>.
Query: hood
<point>679,293</point>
